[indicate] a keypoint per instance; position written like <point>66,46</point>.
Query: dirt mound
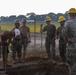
<point>39,66</point>
<point>36,63</point>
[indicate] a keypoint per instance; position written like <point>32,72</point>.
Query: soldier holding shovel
<point>50,39</point>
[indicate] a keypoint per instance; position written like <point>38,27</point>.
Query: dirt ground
<point>39,65</point>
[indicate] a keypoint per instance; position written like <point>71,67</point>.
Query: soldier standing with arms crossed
<point>50,39</point>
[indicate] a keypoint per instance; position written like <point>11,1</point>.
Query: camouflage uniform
<point>17,46</point>
<point>0,51</point>
<point>5,52</point>
<point>25,31</point>
<point>0,46</point>
<point>69,32</point>
<point>62,44</point>
<point>5,40</point>
<point>50,40</point>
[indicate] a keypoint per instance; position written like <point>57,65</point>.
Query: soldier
<point>70,30</point>
<point>5,40</point>
<point>0,47</point>
<point>16,42</point>
<point>0,52</point>
<point>62,43</point>
<point>26,36</point>
<point>50,39</point>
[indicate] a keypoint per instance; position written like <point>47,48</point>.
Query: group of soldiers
<point>20,36</point>
<point>52,35</point>
<point>66,34</point>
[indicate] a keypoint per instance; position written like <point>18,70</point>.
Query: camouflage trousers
<point>0,52</point>
<point>5,52</point>
<point>71,58</point>
<point>16,49</point>
<point>50,48</point>
<point>62,50</point>
<point>24,46</point>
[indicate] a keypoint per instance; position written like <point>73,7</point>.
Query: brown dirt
<point>38,65</point>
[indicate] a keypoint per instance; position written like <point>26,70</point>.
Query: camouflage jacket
<point>69,31</point>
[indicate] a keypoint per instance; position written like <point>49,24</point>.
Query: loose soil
<point>36,63</point>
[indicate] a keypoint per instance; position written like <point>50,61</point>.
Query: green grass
<point>6,26</point>
<point>31,26</point>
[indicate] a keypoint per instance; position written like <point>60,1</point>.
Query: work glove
<point>28,41</point>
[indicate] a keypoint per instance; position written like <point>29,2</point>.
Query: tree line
<point>32,16</point>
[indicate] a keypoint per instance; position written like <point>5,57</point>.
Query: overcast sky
<point>22,7</point>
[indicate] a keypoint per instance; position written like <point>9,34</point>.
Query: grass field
<point>31,26</point>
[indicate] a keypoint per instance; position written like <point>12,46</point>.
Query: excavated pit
<point>36,65</point>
